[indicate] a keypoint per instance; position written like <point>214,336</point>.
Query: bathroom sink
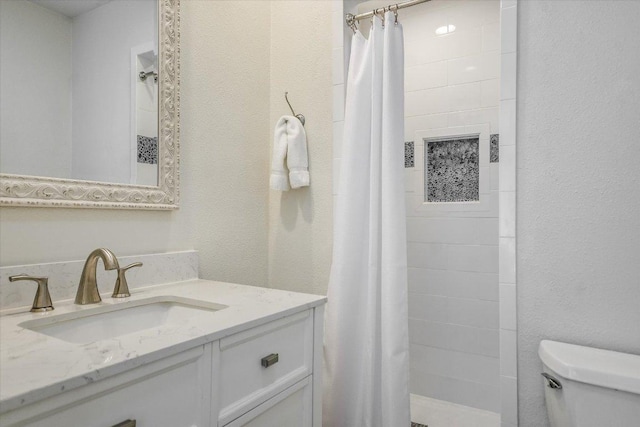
<point>115,320</point>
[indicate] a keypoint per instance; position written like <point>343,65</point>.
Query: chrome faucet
<point>88,287</point>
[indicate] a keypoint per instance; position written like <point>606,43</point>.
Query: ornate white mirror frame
<point>34,191</point>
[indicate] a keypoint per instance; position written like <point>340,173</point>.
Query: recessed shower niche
<point>452,169</point>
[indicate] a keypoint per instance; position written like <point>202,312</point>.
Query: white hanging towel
<point>366,329</point>
<point>290,146</point>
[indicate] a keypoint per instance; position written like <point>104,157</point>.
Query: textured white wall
<point>35,83</point>
<point>102,86</point>
<point>226,130</point>
<point>578,194</point>
<point>300,220</point>
<point>224,157</point>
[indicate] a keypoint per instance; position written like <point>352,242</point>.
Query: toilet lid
<point>605,368</point>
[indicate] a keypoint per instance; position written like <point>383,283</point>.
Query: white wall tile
<point>507,168</point>
<point>508,81</point>
<point>509,400</point>
<point>481,258</point>
<point>507,221</point>
<point>508,307</point>
<point>463,97</point>
<point>429,101</point>
<point>425,76</point>
<point>427,255</point>
<point>507,122</point>
<point>508,353</point>
<point>491,93</point>
<point>470,312</point>
<point>463,42</point>
<point>424,122</point>
<point>491,37</point>
<point>507,260</point>
<point>508,22</point>
<point>428,307</point>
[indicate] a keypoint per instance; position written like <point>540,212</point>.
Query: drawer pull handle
<point>126,423</point>
<point>269,360</point>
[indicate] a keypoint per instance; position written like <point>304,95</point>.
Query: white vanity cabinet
<point>234,381</point>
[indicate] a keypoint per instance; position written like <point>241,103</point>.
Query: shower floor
<point>438,413</point>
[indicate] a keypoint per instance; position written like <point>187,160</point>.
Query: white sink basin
<point>114,320</point>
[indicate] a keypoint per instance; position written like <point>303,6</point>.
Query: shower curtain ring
<point>395,14</point>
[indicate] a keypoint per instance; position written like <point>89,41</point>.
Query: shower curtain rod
<point>352,19</point>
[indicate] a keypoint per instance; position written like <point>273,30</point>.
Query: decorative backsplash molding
<point>65,276</point>
<point>452,170</point>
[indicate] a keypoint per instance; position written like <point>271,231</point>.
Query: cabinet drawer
<point>171,392</point>
<point>291,408</point>
<point>245,382</point>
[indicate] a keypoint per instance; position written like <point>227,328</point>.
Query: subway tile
<point>490,93</point>
<point>495,176</point>
<point>508,307</point>
<point>425,281</point>
<point>429,101</point>
<point>508,353</point>
<point>462,42</point>
<point>509,400</point>
<point>491,37</point>
<point>474,68</point>
<point>421,123</point>
<point>507,273</point>
<point>507,122</point>
<point>508,76</point>
<point>508,34</point>
<point>473,117</point>
<point>425,76</point>
<point>507,218</point>
<point>468,312</point>
<point>463,97</point>
<point>487,231</point>
<point>427,255</point>
<point>481,258</point>
<point>475,285</point>
<point>418,51</point>
<point>466,339</point>
<point>507,167</point>
<point>428,307</point>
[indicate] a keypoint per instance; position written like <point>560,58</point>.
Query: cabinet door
<point>291,408</point>
<point>173,392</point>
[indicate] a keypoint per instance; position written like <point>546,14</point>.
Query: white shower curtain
<point>366,338</point>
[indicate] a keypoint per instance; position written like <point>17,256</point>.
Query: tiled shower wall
<point>452,88</point>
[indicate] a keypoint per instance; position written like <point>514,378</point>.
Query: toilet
<point>590,387</point>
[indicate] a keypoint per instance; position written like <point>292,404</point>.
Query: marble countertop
<point>34,366</point>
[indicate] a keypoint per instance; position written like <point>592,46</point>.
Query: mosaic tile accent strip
<point>409,154</point>
<point>418,424</point>
<point>494,149</point>
<point>452,170</point>
<point>147,150</point>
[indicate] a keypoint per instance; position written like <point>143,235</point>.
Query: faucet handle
<point>121,290</point>
<point>42,301</point>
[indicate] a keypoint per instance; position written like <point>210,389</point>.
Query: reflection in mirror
<point>79,89</point>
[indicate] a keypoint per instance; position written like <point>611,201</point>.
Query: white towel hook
<point>298,116</point>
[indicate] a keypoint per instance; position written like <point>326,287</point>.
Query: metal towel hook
<point>298,116</point>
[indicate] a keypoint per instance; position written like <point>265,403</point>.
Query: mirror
<point>89,114</point>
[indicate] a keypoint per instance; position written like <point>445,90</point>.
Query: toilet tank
<point>593,387</point>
